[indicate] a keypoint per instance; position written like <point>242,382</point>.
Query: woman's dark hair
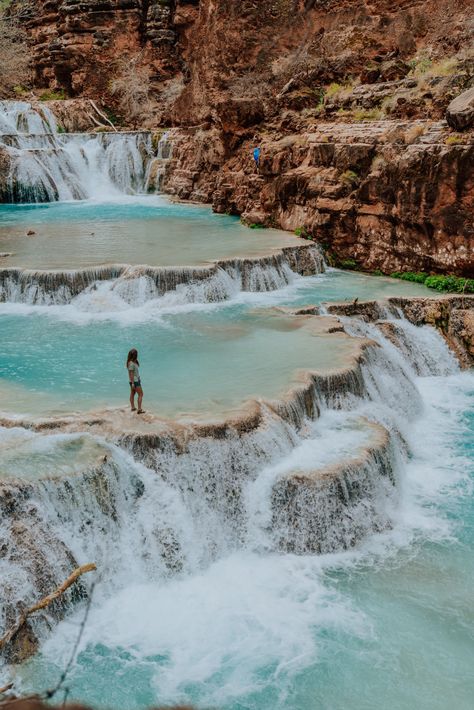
<point>132,357</point>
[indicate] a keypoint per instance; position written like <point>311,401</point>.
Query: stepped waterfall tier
<point>283,525</point>
<point>42,164</point>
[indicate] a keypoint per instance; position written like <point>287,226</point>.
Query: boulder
<point>460,112</point>
<point>394,69</point>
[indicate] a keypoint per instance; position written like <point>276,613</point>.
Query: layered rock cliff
<point>346,98</point>
<point>387,195</point>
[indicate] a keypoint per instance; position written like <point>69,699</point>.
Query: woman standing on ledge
<point>134,378</point>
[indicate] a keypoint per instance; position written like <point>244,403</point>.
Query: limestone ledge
<point>47,286</point>
<point>333,507</point>
<point>308,387</point>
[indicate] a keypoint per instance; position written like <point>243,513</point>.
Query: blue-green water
<point>204,362</point>
<point>132,230</point>
<point>195,357</point>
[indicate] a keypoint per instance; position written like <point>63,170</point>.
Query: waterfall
<point>317,476</point>
<point>119,286</point>
<point>43,164</point>
<point>157,167</point>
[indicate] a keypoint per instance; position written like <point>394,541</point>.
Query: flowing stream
<point>312,552</point>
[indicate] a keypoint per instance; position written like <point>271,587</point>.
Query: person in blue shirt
<point>256,156</point>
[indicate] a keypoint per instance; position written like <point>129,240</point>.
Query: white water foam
<point>138,299</point>
<point>46,165</point>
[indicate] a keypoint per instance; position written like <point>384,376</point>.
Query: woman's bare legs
<point>132,398</point>
<point>139,391</point>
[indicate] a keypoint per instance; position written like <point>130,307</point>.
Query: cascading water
<point>122,286</point>
<point>185,508</point>
<point>43,164</point>
<point>157,167</point>
<point>164,518</point>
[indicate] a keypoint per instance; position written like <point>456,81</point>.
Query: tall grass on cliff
<point>15,57</point>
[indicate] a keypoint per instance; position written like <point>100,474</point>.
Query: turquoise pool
<point>133,230</point>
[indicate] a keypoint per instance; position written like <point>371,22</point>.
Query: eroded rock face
<point>392,195</point>
<point>460,112</point>
<point>452,315</point>
<point>77,44</point>
<point>389,195</point>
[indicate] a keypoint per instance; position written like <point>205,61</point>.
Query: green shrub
<point>444,284</point>
<point>420,65</point>
<point>349,177</point>
<point>255,226</point>
<point>349,264</point>
<point>450,284</point>
<point>333,89</point>
<point>302,232</point>
<point>453,139</point>
<point>372,114</point>
<point>113,118</point>
<point>53,95</point>
<point>419,278</point>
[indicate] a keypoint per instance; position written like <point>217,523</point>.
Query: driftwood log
<point>12,632</point>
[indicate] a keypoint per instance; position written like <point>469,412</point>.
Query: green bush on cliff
<point>444,284</point>
<point>349,177</point>
<point>454,139</point>
<point>372,114</point>
<point>349,264</point>
<point>450,284</point>
<point>302,232</point>
<point>59,95</point>
<point>418,277</point>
